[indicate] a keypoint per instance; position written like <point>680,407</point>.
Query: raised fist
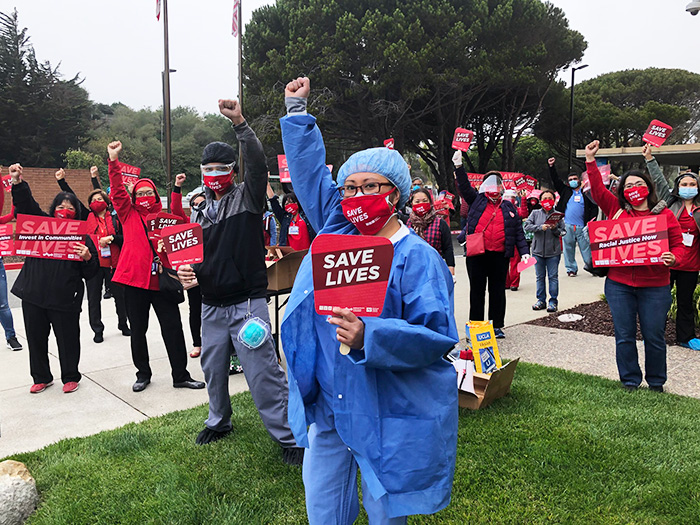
<point>179,179</point>
<point>15,173</point>
<point>301,87</point>
<point>94,172</point>
<point>231,109</point>
<point>591,150</point>
<point>60,174</point>
<point>551,161</point>
<point>457,159</point>
<point>114,148</point>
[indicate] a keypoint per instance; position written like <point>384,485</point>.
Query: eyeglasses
<point>145,193</point>
<point>220,167</point>
<point>637,185</point>
<point>371,188</point>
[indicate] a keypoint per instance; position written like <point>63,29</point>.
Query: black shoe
<point>141,385</point>
<point>209,436</point>
<point>194,385</point>
<point>107,295</point>
<point>630,388</point>
<point>126,332</point>
<point>98,337</point>
<point>513,288</point>
<point>656,388</point>
<point>13,344</point>
<point>293,455</point>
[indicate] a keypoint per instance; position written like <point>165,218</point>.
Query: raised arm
<point>306,156</point>
<point>662,188</point>
<point>118,194</point>
<point>176,198</point>
<point>95,178</point>
<point>82,213</point>
<point>605,198</point>
<point>554,176</point>
<point>4,219</point>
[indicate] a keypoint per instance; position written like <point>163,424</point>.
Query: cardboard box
<point>282,272</point>
<point>489,387</point>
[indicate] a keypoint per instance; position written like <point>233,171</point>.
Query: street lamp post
<point>571,116</point>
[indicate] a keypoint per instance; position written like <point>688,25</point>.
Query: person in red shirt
<point>295,230</point>
<point>513,279</point>
<point>638,291</point>
<point>683,200</point>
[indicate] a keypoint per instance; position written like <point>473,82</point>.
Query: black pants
<point>491,267</point>
<point>685,315</point>
<point>94,296</point>
<point>38,322</point>
<point>138,306</point>
<point>194,298</point>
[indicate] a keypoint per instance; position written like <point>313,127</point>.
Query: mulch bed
<point>597,319</point>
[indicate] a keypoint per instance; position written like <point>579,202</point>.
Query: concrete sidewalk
<point>105,399</point>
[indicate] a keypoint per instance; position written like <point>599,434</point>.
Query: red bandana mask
<point>218,183</point>
<point>547,204</point>
<point>421,208</point>
<point>98,206</point>
<point>368,213</point>
<point>64,214</point>
<point>292,208</point>
<point>637,195</point>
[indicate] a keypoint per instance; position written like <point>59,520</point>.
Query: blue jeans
<point>5,312</point>
<point>651,304</point>
<point>330,477</point>
<point>576,234</point>
<point>547,266</point>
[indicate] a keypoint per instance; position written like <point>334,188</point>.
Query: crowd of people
<point>388,406</point>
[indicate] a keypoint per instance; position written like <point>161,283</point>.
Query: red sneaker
<point>70,386</point>
<point>39,387</point>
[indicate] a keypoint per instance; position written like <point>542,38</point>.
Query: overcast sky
<point>117,47</point>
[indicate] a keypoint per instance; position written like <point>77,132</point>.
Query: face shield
<point>492,184</point>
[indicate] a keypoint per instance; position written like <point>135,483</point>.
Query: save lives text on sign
<point>636,241</point>
<point>48,238</point>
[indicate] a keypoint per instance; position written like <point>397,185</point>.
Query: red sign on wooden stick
<point>183,243</point>
<point>389,143</point>
<point>351,271</point>
<point>130,174</point>
<point>7,245</point>
<point>637,241</point>
<point>48,238</point>
<point>157,221</point>
<point>462,139</point>
<point>657,133</point>
<point>284,169</point>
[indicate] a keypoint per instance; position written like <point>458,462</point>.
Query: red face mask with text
<point>147,202</point>
<point>493,196</point>
<point>637,195</point>
<point>218,183</point>
<point>64,214</point>
<point>368,213</point>
<point>547,204</point>
<point>98,206</point>
<point>292,208</point>
<point>421,208</point>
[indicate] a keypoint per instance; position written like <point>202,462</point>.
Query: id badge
<point>105,251</point>
<point>293,230</point>
<point>577,198</point>
<point>688,239</point>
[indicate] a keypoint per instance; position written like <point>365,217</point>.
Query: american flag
<point>157,9</point>
<point>234,25</point>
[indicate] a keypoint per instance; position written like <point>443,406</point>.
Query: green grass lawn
<point>562,448</point>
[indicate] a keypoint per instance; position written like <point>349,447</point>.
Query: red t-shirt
<point>298,234</point>
<point>691,254</point>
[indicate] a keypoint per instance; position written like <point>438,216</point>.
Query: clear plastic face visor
<point>492,184</point>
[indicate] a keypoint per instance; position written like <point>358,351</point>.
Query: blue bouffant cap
<point>384,161</point>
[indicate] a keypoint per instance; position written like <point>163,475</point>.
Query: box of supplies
<point>489,387</point>
<point>282,271</point>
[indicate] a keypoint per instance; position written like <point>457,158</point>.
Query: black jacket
<point>83,212</point>
<point>590,209</point>
<point>49,283</point>
<point>234,267</point>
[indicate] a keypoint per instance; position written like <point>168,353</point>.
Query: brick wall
<point>44,186</point>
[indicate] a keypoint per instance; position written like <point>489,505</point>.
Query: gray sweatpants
<point>265,377</point>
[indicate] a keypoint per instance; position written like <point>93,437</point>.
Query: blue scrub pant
<point>330,477</point>
<point>651,304</point>
<point>576,234</point>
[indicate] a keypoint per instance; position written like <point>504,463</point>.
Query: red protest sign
<point>524,265</point>
<point>157,221</point>
<point>520,182</point>
<point>284,169</point>
<point>475,179</point>
<point>48,238</point>
<point>183,244</point>
<point>462,139</point>
<point>7,183</point>
<point>637,241</point>
<point>351,271</point>
<point>554,218</point>
<point>531,182</point>
<point>657,133</point>
<point>130,174</point>
<point>389,143</point>
<point>7,245</point>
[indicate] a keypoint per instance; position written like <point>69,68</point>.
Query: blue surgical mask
<point>416,187</point>
<point>573,184</point>
<point>686,193</point>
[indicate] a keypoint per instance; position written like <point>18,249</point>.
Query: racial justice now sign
<point>636,241</point>
<point>351,271</point>
<point>48,238</point>
<point>183,244</point>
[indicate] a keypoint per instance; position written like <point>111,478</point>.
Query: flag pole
<point>166,105</point>
<point>240,79</point>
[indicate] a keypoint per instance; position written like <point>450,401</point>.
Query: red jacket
<point>134,268</point>
<point>176,205</point>
<point>637,276</point>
